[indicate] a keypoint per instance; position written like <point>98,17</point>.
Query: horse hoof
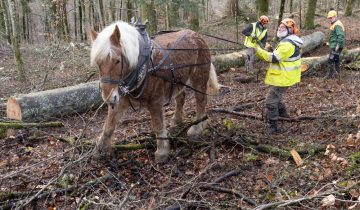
<point>161,157</point>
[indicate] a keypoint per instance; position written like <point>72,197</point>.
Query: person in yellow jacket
<point>336,43</point>
<point>284,70</point>
<point>255,34</point>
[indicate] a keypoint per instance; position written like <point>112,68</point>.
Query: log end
<point>13,109</point>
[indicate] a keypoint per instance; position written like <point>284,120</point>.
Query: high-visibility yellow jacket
<point>249,41</point>
<point>285,62</point>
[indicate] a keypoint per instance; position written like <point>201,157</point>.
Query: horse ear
<point>115,36</point>
<point>93,34</point>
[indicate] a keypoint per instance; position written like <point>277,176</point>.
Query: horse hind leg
<point>200,84</point>
<point>158,124</point>
<point>180,101</point>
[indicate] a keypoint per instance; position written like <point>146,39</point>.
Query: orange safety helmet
<point>264,19</point>
<point>290,24</point>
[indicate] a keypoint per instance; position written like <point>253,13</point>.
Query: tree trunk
<point>4,21</point>
<point>112,10</point>
<point>291,6</point>
<point>281,13</point>
<point>316,64</point>
<point>173,13</point>
<point>310,14</point>
<point>75,21</point>
<point>300,13</point>
<point>148,12</point>
<point>15,41</point>
<point>349,7</point>
<point>129,11</point>
<point>194,17</point>
<point>48,104</point>
<point>262,7</point>
<point>82,20</point>
<point>237,59</point>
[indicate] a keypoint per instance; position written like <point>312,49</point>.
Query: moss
<point>229,124</point>
<point>250,157</point>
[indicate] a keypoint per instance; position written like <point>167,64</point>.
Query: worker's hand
<point>268,47</point>
<point>337,48</point>
<point>254,36</point>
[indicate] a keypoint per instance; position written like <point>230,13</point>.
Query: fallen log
<point>237,59</point>
<point>45,105</point>
<point>4,126</point>
<point>314,65</point>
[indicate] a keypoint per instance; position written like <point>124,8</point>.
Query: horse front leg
<point>158,124</point>
<point>178,114</point>
<point>103,145</point>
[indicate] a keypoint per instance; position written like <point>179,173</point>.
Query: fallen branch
<point>19,125</point>
<point>229,191</point>
<point>305,198</point>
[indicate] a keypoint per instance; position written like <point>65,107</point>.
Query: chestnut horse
<point>116,52</point>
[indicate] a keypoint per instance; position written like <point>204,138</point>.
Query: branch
<point>298,200</point>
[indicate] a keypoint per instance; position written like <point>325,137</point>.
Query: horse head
<point>113,52</point>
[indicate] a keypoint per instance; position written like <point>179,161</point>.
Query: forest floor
<point>230,166</point>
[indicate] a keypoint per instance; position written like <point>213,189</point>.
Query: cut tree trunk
<point>316,64</point>
<point>237,59</point>
<point>44,105</point>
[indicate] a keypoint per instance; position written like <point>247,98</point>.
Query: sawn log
<point>237,59</point>
<point>44,105</point>
<point>316,64</point>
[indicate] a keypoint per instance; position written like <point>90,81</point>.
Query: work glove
<point>254,36</point>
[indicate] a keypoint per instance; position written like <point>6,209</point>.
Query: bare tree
<point>281,13</point>
<point>262,7</point>
<point>148,12</point>
<point>349,7</point>
<point>15,41</point>
<point>310,14</point>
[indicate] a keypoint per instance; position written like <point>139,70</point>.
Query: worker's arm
<point>247,31</point>
<point>282,52</point>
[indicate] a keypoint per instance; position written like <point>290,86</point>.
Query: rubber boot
<point>337,68</point>
<point>330,73</point>
<point>272,127</point>
<point>282,111</point>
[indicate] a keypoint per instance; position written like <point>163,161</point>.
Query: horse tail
<point>213,85</point>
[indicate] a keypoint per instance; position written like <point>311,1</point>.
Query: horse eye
<point>118,61</point>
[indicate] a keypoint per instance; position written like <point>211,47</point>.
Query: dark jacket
<point>249,28</point>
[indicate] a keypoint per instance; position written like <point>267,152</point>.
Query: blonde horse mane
<point>129,42</point>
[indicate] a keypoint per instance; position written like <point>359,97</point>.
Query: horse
<point>117,52</point>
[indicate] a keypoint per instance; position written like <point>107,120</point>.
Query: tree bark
<point>349,7</point>
<point>315,64</point>
<point>148,12</point>
<point>48,104</point>
<point>262,7</point>
<point>281,13</point>
<point>310,14</point>
<point>15,41</point>
<point>237,59</point>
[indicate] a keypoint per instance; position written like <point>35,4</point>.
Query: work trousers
<point>274,104</point>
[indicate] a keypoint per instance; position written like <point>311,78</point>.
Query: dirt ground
<point>233,165</point>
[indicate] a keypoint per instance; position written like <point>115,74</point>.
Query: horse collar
<point>137,77</point>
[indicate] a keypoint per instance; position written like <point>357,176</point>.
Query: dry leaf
<point>350,141</point>
<point>358,107</point>
<point>296,157</point>
<point>329,149</point>
<point>298,112</point>
<point>328,200</point>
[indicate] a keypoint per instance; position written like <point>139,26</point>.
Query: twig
<point>298,200</point>
<point>230,191</point>
<point>126,198</point>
